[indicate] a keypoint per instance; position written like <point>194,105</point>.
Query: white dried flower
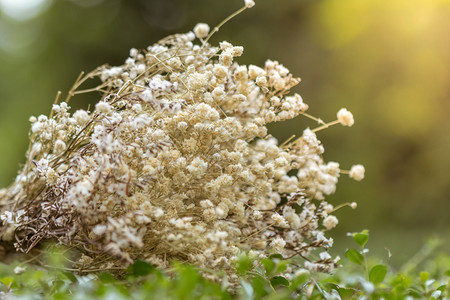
<point>81,116</point>
<point>237,50</point>
<point>206,203</point>
<point>324,255</point>
<point>133,52</point>
<point>103,107</point>
<point>357,172</point>
<point>226,58</point>
<point>345,117</point>
<point>51,176</point>
<point>99,230</point>
<point>257,215</point>
<point>158,213</point>
<point>278,244</point>
<point>60,146</point>
<point>19,270</point>
<point>255,71</point>
<point>249,3</point>
<point>261,80</point>
<point>197,167</point>
<point>201,30</point>
<point>279,220</point>
<point>330,222</point>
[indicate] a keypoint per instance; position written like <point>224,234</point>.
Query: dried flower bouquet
<point>175,162</point>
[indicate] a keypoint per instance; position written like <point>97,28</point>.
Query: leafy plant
<point>267,278</point>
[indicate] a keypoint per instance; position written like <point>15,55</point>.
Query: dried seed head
<point>357,172</point>
<point>201,30</point>
<point>345,117</point>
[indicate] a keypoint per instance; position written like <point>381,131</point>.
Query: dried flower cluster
<point>175,162</point>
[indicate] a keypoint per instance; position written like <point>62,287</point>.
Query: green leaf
<point>141,268</point>
<point>299,280</point>
<point>70,276</point>
<point>401,281</point>
<point>415,293</point>
<point>60,296</point>
<point>442,288</point>
<point>424,276</point>
<point>361,238</point>
<point>281,266</point>
<point>279,280</point>
<point>269,265</point>
<point>7,280</point>
<point>447,272</point>
<point>106,277</point>
<point>187,280</point>
<point>277,256</point>
<point>244,264</point>
<point>377,274</point>
<point>346,293</point>
<point>260,287</point>
<point>354,256</point>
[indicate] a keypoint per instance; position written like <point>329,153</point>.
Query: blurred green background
<point>387,61</point>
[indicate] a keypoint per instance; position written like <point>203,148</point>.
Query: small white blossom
<point>249,3</point>
<point>357,172</point>
<point>197,167</point>
<point>133,52</point>
<point>60,146</point>
<point>52,176</point>
<point>81,116</point>
<point>278,244</point>
<point>201,30</point>
<point>19,270</point>
<point>345,117</point>
<point>103,107</point>
<point>158,212</point>
<point>206,203</point>
<point>279,220</point>
<point>324,255</point>
<point>330,222</point>
<point>99,230</point>
<point>257,215</point>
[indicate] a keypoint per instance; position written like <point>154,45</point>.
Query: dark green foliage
<point>258,279</point>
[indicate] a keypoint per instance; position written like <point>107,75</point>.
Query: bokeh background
<point>388,61</point>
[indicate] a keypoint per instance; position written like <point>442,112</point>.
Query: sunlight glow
<point>23,10</point>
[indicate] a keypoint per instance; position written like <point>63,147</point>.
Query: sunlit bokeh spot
<point>23,9</point>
